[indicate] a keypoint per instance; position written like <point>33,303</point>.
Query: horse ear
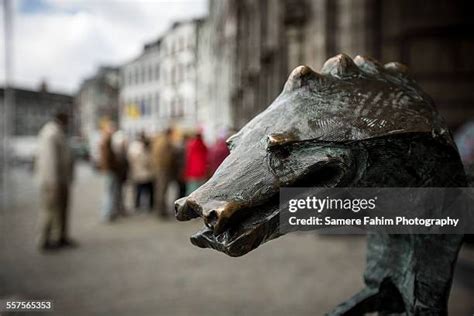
<point>340,66</point>
<point>397,67</point>
<point>301,76</point>
<point>368,65</point>
<point>279,139</point>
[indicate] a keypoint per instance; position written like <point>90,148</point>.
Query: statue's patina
<point>354,124</point>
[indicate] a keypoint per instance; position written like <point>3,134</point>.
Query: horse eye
<point>279,152</point>
<point>231,141</point>
<point>230,145</point>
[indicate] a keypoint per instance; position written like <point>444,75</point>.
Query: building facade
<point>97,101</point>
<point>159,87</point>
<point>34,108</point>
<point>270,38</point>
<point>217,47</point>
<point>31,110</point>
<point>179,48</point>
<point>140,92</point>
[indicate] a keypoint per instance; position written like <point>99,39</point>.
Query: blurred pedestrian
<point>54,166</point>
<point>108,163</point>
<point>180,156</point>
<point>141,172</point>
<point>164,162</point>
<point>196,163</point>
<point>119,148</point>
<point>219,151</point>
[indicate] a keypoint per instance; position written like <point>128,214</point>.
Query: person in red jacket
<point>196,163</point>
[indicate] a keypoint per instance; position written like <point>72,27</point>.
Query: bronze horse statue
<point>357,123</point>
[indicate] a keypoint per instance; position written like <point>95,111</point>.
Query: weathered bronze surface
<point>356,124</point>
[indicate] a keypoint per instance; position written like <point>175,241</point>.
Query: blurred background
<point>146,79</point>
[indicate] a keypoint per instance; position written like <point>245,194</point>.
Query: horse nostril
<point>179,205</point>
<point>211,219</point>
<point>184,210</point>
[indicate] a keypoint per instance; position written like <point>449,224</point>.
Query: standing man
<point>164,163</point>
<point>109,165</point>
<point>120,148</point>
<point>55,174</point>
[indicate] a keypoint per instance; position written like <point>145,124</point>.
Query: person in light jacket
<point>141,172</point>
<point>54,167</point>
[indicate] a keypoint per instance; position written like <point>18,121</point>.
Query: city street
<point>140,265</point>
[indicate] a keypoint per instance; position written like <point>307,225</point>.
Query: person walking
<point>54,167</point>
<point>196,163</point>
<point>164,162</point>
<point>180,158</point>
<point>119,148</point>
<point>109,165</point>
<point>141,172</point>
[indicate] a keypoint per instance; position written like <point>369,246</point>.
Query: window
<point>190,68</point>
<point>143,110</point>
<point>156,103</point>
<point>157,72</point>
<point>179,71</point>
<point>189,41</point>
<point>177,107</point>
<point>181,107</point>
<point>123,78</point>
<point>150,105</point>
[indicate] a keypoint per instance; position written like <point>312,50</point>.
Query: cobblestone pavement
<point>142,266</point>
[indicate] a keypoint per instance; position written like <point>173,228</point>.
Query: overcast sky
<point>64,41</point>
